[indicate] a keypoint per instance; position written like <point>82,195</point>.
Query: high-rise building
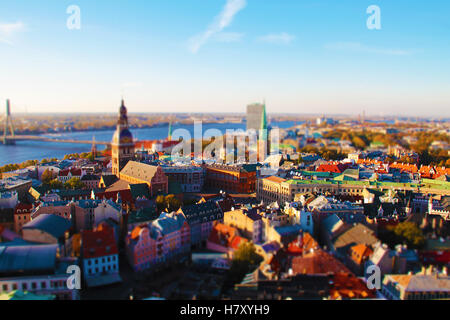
<point>255,116</point>
<point>122,147</point>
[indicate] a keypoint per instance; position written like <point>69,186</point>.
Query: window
<point>5,288</point>
<point>24,287</point>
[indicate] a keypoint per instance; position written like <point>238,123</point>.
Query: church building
<point>122,147</point>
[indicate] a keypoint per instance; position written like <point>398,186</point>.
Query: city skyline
<point>313,57</point>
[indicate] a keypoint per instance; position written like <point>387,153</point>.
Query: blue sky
<point>302,56</point>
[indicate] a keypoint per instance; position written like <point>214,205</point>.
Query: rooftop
<point>49,223</point>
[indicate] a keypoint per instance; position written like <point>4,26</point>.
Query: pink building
<point>158,243</point>
<point>22,215</point>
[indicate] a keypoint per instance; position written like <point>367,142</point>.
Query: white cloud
<point>7,31</point>
<point>358,47</point>
<point>223,20</point>
<point>228,37</point>
<point>277,38</point>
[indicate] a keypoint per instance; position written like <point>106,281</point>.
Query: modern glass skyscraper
<point>255,116</point>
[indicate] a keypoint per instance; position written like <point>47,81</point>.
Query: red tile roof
<point>225,236</point>
<point>98,243</point>
<point>23,207</point>
<point>147,144</point>
<point>433,172</point>
<point>318,262</point>
<point>333,167</point>
<point>360,252</point>
<point>404,167</point>
<point>237,242</point>
<point>347,286</point>
<point>73,171</point>
<point>275,179</point>
<point>125,195</point>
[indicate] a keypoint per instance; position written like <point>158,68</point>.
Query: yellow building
<point>248,222</point>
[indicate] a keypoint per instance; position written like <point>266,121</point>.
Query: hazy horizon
<point>193,56</point>
<point>241,114</point>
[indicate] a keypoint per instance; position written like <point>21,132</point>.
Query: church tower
<point>122,147</point>
<point>263,143</point>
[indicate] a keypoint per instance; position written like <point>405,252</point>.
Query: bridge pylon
<point>8,123</point>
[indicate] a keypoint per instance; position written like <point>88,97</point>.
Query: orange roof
<point>369,161</point>
<point>237,242</point>
<point>225,236</point>
<point>347,286</point>
<point>309,242</point>
<point>359,252</point>
<point>332,167</point>
<point>136,233</point>
<point>276,179</point>
<point>433,172</point>
<point>404,167</point>
<point>318,262</point>
<point>147,144</point>
<point>402,279</point>
<point>305,245</point>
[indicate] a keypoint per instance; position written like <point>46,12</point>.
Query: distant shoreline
<point>102,129</point>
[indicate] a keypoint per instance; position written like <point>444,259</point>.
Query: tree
<point>245,259</point>
<point>410,233</point>
<point>359,143</point>
<point>172,203</point>
<point>47,176</point>
<point>55,184</point>
<point>74,184</point>
<point>160,203</point>
<point>169,202</point>
<point>404,233</point>
<point>247,253</point>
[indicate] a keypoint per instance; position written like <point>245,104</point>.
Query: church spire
<point>94,147</point>
<point>169,137</point>
<point>123,117</point>
<point>264,123</point>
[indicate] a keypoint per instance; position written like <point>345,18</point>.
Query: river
<point>37,150</point>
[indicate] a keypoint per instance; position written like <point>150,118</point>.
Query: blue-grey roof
<point>198,213</point>
<point>288,230</point>
<point>55,203</point>
<point>271,246</point>
<point>332,223</point>
<point>25,258</point>
<point>92,204</point>
<point>167,224</point>
<point>50,223</point>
